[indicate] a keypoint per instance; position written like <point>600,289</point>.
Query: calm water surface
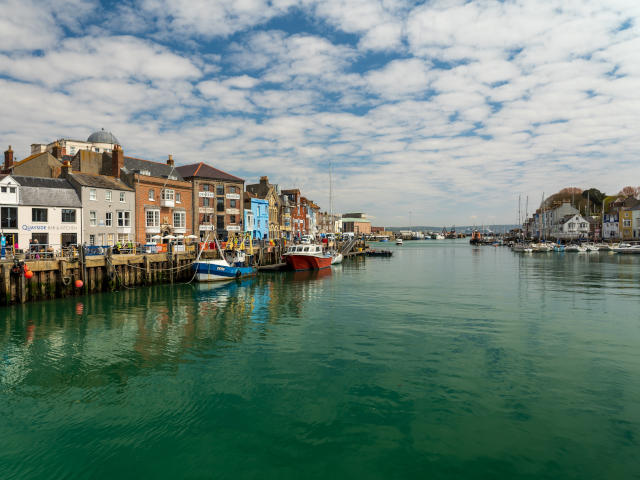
<point>444,361</point>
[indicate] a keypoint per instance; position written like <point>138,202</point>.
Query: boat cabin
<point>305,249</point>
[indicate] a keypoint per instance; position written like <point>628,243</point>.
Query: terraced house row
<point>71,192</point>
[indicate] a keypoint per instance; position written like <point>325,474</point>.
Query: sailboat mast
<point>331,197</point>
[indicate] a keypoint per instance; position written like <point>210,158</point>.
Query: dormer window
<point>145,172</point>
<point>172,177</point>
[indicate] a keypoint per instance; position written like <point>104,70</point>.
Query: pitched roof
<point>54,192</point>
<point>202,170</point>
<point>155,169</point>
<point>100,181</point>
<point>31,157</point>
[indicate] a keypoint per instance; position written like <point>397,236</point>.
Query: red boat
<point>307,257</point>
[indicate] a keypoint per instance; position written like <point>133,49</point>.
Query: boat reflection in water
<point>307,275</point>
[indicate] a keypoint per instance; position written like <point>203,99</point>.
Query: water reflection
<point>110,337</point>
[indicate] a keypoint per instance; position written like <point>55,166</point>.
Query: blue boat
<point>220,270</point>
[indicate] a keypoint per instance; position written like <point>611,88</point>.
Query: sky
<point>432,113</point>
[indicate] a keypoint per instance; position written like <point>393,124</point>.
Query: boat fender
<point>238,274</point>
<point>66,280</point>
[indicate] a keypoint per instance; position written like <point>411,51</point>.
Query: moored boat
<point>336,258</point>
<point>626,248</point>
<point>307,257</point>
<point>220,270</point>
<point>398,241</point>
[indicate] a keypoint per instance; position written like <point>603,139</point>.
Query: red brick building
<point>163,197</point>
<point>298,214</point>
<point>217,200</point>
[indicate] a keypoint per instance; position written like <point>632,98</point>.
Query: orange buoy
<point>26,267</point>
<point>28,274</point>
<point>79,284</point>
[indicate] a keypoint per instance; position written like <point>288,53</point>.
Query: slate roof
<point>202,170</point>
<point>156,169</point>
<point>100,181</point>
<point>51,192</point>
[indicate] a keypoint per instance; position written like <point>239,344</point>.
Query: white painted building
<point>48,211</point>
<point>611,226</point>
<point>100,142</point>
<point>571,227</point>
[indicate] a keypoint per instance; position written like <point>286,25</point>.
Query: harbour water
<point>444,361</point>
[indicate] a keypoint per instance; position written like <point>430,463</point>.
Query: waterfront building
<point>610,226</point>
<point>48,212</point>
<point>100,142</point>
<point>635,222</point>
<point>108,207</point>
<point>571,227</point>
<point>625,223</point>
<point>269,192</point>
<point>285,217</point>
<point>162,197</point>
<point>297,212</point>
<point>356,223</point>
<point>217,200</point>
<point>9,199</point>
<point>259,208</point>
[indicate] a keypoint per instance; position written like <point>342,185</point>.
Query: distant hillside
<point>459,228</point>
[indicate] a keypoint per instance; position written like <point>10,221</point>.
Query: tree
<point>594,195</point>
<point>630,191</point>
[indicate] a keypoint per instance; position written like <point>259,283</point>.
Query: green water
<point>444,361</point>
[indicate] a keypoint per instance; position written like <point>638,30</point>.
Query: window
<point>220,204</point>
<point>206,219</point>
<point>92,239</point>
<point>205,202</point>
<point>93,218</point>
<point>121,197</point>
<point>92,194</point>
<point>626,223</point>
<point>205,188</point>
<point>9,217</point>
<point>12,189</point>
<point>167,194</point>
<point>68,215</point>
<point>3,189</point>
<point>153,218</point>
<point>232,219</point>
<point>38,214</point>
<point>152,195</point>
<point>219,189</point>
<point>124,218</point>
<point>178,197</point>
<point>220,222</point>
<point>179,219</point>
<point>232,189</point>
<point>232,203</point>
<point>107,195</point>
<point>108,219</point>
<point>109,238</point>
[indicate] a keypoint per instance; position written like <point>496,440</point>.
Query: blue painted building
<point>257,208</point>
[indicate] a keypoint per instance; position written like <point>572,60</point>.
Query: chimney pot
<point>170,160</point>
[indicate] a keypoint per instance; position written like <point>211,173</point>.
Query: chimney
<point>264,180</point>
<point>170,161</point>
<point>8,159</point>
<point>66,169</point>
<point>117,160</point>
<point>56,151</point>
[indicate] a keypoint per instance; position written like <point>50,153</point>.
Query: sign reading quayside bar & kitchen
<point>44,228</point>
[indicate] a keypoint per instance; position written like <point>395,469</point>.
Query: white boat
<point>592,248</point>
<point>626,248</point>
<point>527,250</point>
<point>398,241</point>
<point>541,247</point>
<point>336,258</point>
<point>439,236</point>
<point>575,248</point>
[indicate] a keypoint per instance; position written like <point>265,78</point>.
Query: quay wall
<point>56,277</point>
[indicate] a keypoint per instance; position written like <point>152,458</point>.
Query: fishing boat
<point>230,266</point>
<point>398,241</point>
<point>307,257</point>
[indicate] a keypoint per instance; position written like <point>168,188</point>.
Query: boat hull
<point>307,262</point>
<point>218,272</point>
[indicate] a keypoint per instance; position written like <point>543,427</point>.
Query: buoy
<point>28,274</point>
<point>26,267</point>
<point>79,284</point>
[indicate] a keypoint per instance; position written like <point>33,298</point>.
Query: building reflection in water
<point>105,338</point>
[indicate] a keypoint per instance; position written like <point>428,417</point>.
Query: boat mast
<point>331,197</point>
